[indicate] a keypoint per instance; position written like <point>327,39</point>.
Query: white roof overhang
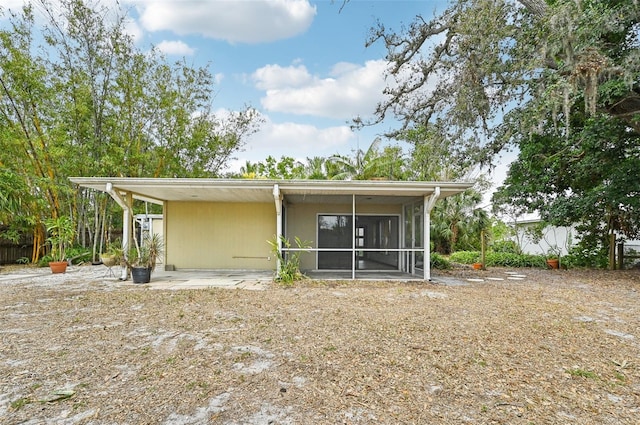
<point>158,190</point>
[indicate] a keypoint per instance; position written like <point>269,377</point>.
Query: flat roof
<point>158,190</point>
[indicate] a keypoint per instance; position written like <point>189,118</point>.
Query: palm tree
<point>364,165</point>
<point>456,223</point>
<point>315,169</point>
<point>249,170</point>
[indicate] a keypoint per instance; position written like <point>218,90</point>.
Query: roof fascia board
<point>136,186</point>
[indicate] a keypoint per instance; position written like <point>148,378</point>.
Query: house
<point>226,224</point>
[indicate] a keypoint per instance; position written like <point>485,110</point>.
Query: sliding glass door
<point>375,242</point>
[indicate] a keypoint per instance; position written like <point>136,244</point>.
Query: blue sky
<point>302,64</point>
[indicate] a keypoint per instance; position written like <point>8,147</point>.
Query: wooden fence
<point>11,252</point>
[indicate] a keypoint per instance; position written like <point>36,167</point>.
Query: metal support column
<point>126,204</point>
<point>353,237</point>
<point>428,203</point>
<point>277,197</point>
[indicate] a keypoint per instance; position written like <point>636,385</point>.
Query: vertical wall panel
<point>206,235</point>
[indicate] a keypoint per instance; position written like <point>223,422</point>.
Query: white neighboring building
<point>550,239</point>
<point>554,239</point>
<point>150,224</point>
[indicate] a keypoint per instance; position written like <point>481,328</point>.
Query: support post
<point>483,249</point>
<point>612,251</point>
<point>353,237</point>
<point>428,204</point>
<point>126,204</point>
<point>621,255</point>
<point>277,197</point>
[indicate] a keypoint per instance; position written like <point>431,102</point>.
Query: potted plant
<point>113,255</point>
<point>553,258</point>
<point>61,231</point>
<point>143,258</point>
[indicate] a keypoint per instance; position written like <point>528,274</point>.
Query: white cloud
<point>255,21</point>
<point>175,48</point>
<point>275,77</point>
<point>132,29</point>
<point>13,5</point>
<point>294,140</point>
<point>350,91</point>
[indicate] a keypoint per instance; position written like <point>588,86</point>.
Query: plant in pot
<point>143,258</point>
<point>61,231</point>
<point>553,258</point>
<point>113,255</point>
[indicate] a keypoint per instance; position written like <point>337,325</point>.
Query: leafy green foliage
<point>289,261</point>
<point>587,179</point>
<point>586,257</point>
<point>376,162</point>
<point>61,232</point>
<point>79,98</point>
<point>285,168</point>
<point>465,257</point>
<point>457,223</point>
<point>507,259</point>
<point>548,58</point>
<point>506,246</point>
<point>499,259</point>
<point>439,262</point>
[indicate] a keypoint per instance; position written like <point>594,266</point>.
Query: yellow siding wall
<point>302,221</point>
<point>206,235</point>
<point>157,225</point>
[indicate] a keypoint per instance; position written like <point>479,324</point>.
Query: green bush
<point>499,259</point>
<point>580,256</point>
<point>45,260</point>
<point>465,257</point>
<point>510,247</point>
<point>439,262</point>
<point>506,259</point>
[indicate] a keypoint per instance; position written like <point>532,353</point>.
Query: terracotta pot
<point>553,263</point>
<point>58,266</point>
<point>477,266</point>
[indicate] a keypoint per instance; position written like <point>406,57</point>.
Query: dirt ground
<point>507,347</point>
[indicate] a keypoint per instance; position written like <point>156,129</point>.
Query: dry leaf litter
<point>488,347</point>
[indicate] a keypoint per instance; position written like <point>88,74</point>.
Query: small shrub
<point>582,373</point>
<point>580,256</point>
<point>510,247</point>
<point>465,257</point>
<point>499,259</point>
<point>506,259</point>
<point>439,262</point>
<point>289,271</point>
<point>45,260</point>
